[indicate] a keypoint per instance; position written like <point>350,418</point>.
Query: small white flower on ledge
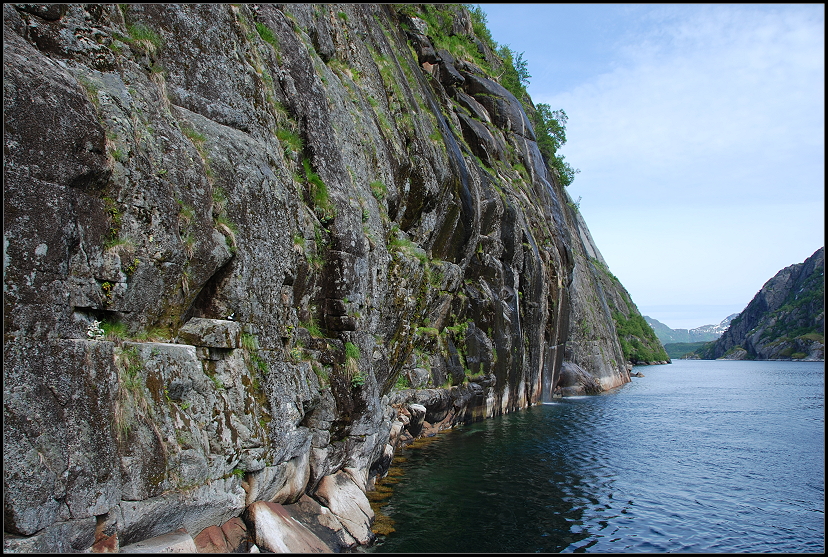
<point>95,332</point>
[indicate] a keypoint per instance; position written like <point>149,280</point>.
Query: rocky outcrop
<point>602,311</point>
<point>784,321</point>
<point>234,235</point>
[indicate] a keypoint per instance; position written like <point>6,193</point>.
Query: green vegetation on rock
<point>638,340</point>
<point>679,350</point>
<point>785,319</point>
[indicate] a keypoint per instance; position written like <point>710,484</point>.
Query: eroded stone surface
<point>236,535</point>
<point>211,540</point>
<point>275,530</point>
<point>322,522</point>
<point>212,333</point>
<point>348,503</point>
<point>174,542</point>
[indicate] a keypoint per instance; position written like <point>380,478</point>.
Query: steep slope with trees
<point>785,320</point>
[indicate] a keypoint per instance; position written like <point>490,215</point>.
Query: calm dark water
<point>698,456</point>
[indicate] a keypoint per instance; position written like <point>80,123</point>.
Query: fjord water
<point>697,456</point>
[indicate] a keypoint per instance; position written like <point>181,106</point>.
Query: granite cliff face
<point>249,249</point>
<point>785,320</point>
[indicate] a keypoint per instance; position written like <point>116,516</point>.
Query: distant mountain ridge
<point>700,334</point>
<point>784,321</point>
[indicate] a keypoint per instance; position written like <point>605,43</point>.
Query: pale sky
<point>699,131</point>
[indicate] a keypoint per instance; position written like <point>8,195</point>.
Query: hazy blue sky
<point>699,133</point>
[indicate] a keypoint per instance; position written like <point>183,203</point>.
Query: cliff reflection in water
<point>686,459</point>
<point>492,486</point>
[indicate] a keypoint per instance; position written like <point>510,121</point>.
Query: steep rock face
<point>234,233</point>
<point>602,311</point>
<point>785,320</point>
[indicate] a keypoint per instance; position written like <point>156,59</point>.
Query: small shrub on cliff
<point>251,345</point>
<point>351,351</point>
<point>352,372</point>
<point>515,75</point>
<point>249,342</point>
<point>550,130</point>
<point>575,205</point>
<point>267,35</point>
<point>401,383</point>
<point>188,243</point>
<point>91,88</point>
<point>397,241</point>
<point>358,379</point>
<point>216,381</point>
<point>193,135</point>
<point>322,374</point>
<point>313,328</point>
<point>297,353</point>
<point>144,38</point>
<point>114,330</point>
<point>186,215</point>
<point>458,331</point>
<point>131,396</point>
<point>120,245</point>
<point>154,334</point>
<point>115,218</point>
<point>229,230</point>
<point>259,363</point>
<point>219,201</point>
<point>473,375</point>
<point>427,332</point>
<point>119,155</point>
<point>563,170</point>
<point>290,140</point>
<point>317,258</point>
<point>318,191</point>
<point>379,190</point>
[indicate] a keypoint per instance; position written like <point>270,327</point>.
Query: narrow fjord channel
<point>697,456</point>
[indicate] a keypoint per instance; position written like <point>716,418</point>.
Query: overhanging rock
<point>212,333</point>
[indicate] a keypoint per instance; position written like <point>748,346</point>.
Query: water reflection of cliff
<point>510,484</point>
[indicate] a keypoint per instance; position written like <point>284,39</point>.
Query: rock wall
<point>245,244</point>
<point>784,321</point>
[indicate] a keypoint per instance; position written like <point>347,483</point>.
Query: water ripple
<point>692,459</point>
